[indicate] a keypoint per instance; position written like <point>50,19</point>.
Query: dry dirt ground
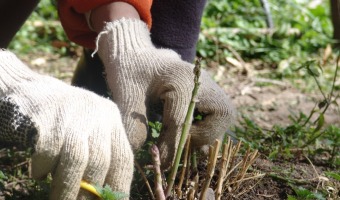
<point>268,101</point>
<point>266,105</point>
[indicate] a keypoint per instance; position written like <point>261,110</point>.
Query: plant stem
<point>224,168</point>
<point>333,86</point>
<point>139,168</point>
<point>335,74</point>
<point>179,186</point>
<point>194,168</point>
<point>211,168</point>
<point>194,160</point>
<point>289,180</point>
<point>186,128</point>
<point>157,170</point>
<point>329,99</point>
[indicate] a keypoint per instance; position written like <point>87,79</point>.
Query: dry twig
<point>224,167</point>
<point>145,180</point>
<point>213,153</point>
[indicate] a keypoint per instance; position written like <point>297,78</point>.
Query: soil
<point>266,105</point>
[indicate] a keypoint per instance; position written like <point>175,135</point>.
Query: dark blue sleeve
<point>176,25</point>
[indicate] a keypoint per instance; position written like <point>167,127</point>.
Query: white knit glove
<point>143,79</point>
<point>74,133</point>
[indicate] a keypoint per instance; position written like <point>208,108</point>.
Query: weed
<point>334,175</point>
<point>305,131</point>
<point>300,30</point>
<point>42,31</point>
<point>303,193</point>
<point>156,128</point>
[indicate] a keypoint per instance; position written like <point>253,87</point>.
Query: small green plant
<point>304,194</point>
<point>302,133</point>
<point>156,128</point>
<point>281,141</point>
<point>42,31</point>
<point>3,178</point>
<point>334,175</point>
<point>300,29</point>
<point>104,193</point>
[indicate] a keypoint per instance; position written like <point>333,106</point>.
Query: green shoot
<point>185,130</point>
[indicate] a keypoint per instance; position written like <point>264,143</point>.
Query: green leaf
<point>313,71</point>
<point>119,195</point>
<point>154,133</point>
<point>291,198</point>
<point>318,196</point>
<point>151,124</point>
<point>156,128</point>
<point>2,175</point>
<point>106,193</point>
<point>273,154</point>
<point>303,193</point>
<point>334,175</point>
<point>198,117</point>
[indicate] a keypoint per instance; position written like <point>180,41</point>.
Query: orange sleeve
<point>71,14</point>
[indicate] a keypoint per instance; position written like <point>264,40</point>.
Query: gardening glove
<point>74,134</point>
<point>143,79</point>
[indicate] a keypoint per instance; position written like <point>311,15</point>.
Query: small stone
<point>210,194</point>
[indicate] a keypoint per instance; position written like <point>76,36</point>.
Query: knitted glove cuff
<point>125,35</point>
<point>13,71</point>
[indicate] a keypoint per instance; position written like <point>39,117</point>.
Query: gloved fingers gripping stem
<point>212,104</point>
<point>216,111</point>
<point>133,64</point>
<point>175,95</point>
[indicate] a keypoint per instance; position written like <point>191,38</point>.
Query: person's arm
<point>13,14</point>
<point>110,12</point>
<point>72,17</point>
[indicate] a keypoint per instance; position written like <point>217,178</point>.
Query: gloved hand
<point>74,133</point>
<point>143,79</point>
